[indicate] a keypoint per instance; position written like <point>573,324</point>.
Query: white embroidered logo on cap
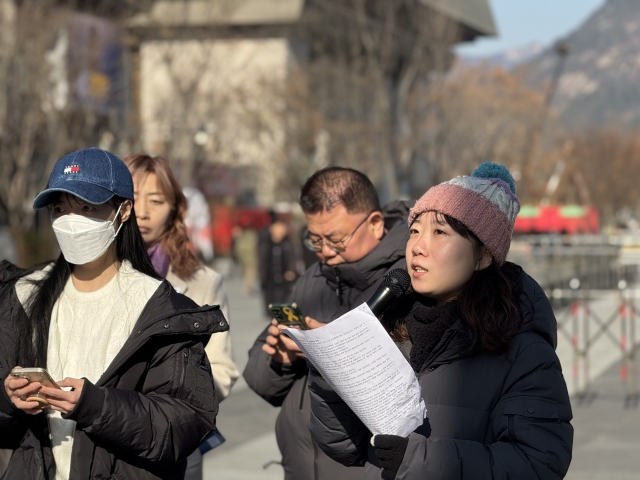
<point>71,169</point>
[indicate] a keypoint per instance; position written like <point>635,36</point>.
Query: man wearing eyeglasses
<point>357,243</point>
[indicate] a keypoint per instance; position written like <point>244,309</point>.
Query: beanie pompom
<point>495,170</point>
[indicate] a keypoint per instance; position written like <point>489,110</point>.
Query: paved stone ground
<point>245,420</point>
<point>607,435</point>
<point>607,428</point>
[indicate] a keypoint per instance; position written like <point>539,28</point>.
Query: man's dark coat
<point>323,293</point>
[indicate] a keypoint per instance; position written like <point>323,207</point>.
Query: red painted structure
<point>566,219</point>
<point>224,218</point>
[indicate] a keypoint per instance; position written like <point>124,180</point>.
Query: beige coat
<point>205,288</point>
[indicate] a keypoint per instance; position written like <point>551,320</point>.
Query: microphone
<point>393,285</point>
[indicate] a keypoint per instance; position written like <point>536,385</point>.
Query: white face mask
<point>83,239</point>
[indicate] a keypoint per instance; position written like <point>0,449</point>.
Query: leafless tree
<point>352,94</point>
<point>602,168</point>
<point>366,59</point>
<point>39,121</point>
<point>477,114</point>
<point>29,133</point>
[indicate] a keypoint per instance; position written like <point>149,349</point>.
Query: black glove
<point>390,451</point>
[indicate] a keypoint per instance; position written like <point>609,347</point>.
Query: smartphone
<point>288,314</point>
<point>39,375</point>
<point>35,375</point>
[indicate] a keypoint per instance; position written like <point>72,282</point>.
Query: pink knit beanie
<point>484,202</point>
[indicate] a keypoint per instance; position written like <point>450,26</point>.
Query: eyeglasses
<point>315,244</point>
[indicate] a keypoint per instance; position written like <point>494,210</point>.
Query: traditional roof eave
<point>475,14</point>
<point>220,12</point>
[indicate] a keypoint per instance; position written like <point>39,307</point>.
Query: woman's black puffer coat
<point>151,408</point>
<point>489,416</point>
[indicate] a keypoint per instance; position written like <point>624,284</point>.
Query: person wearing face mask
<point>480,335</point>
<point>357,242</point>
<point>160,211</point>
<point>137,395</point>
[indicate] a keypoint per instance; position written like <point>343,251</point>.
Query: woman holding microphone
<point>480,336</point>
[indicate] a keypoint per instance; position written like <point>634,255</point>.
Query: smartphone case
<point>288,314</point>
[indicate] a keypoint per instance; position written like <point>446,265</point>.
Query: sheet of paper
<point>356,356</point>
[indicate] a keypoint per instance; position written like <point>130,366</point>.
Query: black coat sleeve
<point>13,423</point>
<point>333,425</point>
<point>163,422</point>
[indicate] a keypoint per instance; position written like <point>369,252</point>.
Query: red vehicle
<point>566,219</point>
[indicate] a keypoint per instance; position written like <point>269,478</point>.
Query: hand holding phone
<point>65,398</point>
<point>27,396</point>
<point>288,314</point>
<point>39,375</point>
<point>279,346</point>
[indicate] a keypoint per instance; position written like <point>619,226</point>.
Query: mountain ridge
<point>508,59</point>
<point>600,83</point>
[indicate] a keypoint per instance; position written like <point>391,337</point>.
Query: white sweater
<point>87,330</point>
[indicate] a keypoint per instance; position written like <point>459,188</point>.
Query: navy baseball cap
<point>92,175</point>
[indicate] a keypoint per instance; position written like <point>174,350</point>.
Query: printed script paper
<point>356,356</point>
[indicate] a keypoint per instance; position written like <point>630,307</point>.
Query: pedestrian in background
<point>309,257</point>
<point>197,219</point>
<point>480,335</point>
<point>127,350</point>
<point>245,251</point>
<point>277,259</point>
<point>161,207</point>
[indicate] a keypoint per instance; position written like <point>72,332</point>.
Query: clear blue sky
<point>522,22</point>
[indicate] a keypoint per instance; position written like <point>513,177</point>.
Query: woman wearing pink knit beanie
<point>480,335</point>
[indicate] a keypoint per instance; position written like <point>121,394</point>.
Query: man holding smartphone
<point>357,243</point>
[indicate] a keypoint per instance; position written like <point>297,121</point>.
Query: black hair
<point>488,302</point>
<point>33,335</point>
<point>338,185</point>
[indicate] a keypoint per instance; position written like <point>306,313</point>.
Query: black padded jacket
<point>324,293</point>
<point>150,409</point>
<point>489,416</point>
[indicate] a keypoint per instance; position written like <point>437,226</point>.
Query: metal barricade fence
<point>575,325</point>
<point>590,281</point>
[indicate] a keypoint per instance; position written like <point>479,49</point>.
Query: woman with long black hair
<point>480,335</point>
<point>136,396</point>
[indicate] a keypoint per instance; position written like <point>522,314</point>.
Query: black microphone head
<point>398,281</point>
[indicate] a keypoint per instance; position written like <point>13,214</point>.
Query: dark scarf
<point>427,322</point>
